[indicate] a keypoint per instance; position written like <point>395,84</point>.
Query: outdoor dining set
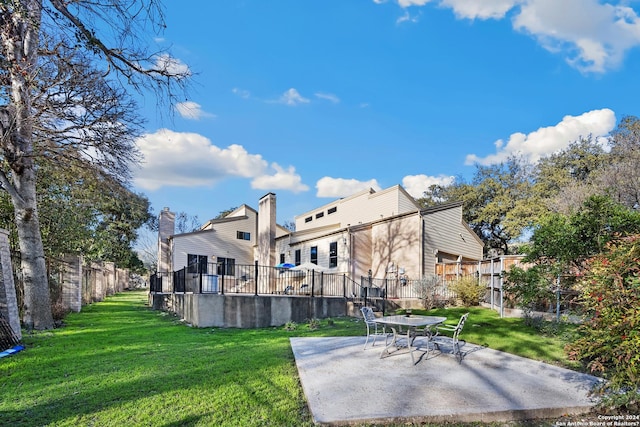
<point>431,332</point>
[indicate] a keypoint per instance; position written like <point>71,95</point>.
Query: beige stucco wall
<point>396,247</point>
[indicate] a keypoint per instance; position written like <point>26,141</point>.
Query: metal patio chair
<point>372,326</point>
<point>454,339</point>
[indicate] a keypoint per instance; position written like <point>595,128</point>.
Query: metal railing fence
<point>256,280</point>
<point>264,280</point>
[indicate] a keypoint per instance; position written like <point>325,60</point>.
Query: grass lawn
<point>119,363</point>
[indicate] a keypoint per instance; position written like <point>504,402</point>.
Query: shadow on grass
<point>119,358</point>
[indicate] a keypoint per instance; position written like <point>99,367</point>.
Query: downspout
<point>421,245</point>
<point>350,267</point>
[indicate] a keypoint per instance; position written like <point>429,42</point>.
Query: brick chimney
<point>267,230</point>
<point>166,229</point>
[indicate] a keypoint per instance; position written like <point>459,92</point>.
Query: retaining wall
<point>248,311</point>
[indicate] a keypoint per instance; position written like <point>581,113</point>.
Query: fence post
<point>313,282</point>
<point>366,295</point>
<point>558,299</point>
<point>344,285</point>
<point>501,287</point>
<point>384,297</point>
<point>492,286</point>
<point>256,276</point>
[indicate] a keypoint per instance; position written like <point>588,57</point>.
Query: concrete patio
<point>345,384</point>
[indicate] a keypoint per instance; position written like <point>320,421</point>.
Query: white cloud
<point>242,93</point>
<point>192,110</point>
<point>340,187</point>
<point>181,159</point>
<point>173,66</point>
<point>481,9</point>
<point>416,185</point>
<point>551,139</point>
<point>281,180</point>
<point>407,3</point>
<point>292,97</point>
<point>407,18</point>
<point>328,96</point>
<point>594,39</point>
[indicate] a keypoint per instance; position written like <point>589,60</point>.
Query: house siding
<point>218,241</point>
<point>361,208</point>
<point>322,244</point>
<point>445,234</point>
<point>362,252</point>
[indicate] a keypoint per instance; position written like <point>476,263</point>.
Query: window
<point>243,235</point>
<point>319,215</point>
<point>308,219</point>
<point>281,258</point>
<point>333,254</point>
<point>196,264</point>
<point>226,266</point>
<point>331,210</point>
<point>314,255</point>
<point>298,257</point>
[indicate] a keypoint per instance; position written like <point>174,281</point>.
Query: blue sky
<point>315,100</point>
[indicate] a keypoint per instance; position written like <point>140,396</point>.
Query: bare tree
<point>56,101</point>
<point>621,177</point>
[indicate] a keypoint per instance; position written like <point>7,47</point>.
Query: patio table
<point>411,322</point>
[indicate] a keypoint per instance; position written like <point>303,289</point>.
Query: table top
<point>413,320</point>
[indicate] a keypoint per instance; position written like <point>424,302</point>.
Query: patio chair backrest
<point>463,319</point>
<point>367,314</point>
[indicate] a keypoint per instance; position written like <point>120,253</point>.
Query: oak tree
<point>65,68</point>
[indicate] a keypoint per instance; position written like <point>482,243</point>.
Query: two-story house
<point>378,233</point>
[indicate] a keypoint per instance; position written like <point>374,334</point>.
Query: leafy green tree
<point>80,214</point>
<point>564,180</point>
<point>497,203</point>
<point>609,341</point>
<point>563,244</point>
<point>569,241</point>
<point>56,101</point>
<point>119,217</point>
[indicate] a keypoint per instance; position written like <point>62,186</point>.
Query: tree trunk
<point>20,43</point>
<point>37,301</point>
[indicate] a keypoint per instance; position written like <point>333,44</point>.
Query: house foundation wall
<point>247,311</point>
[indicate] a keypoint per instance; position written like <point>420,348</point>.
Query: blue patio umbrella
<point>285,265</point>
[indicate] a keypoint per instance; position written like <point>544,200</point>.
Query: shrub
<point>609,341</point>
<point>290,326</point>
<point>468,289</point>
<point>314,324</point>
<point>529,286</point>
<point>426,290</point>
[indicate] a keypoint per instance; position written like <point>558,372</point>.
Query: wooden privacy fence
<point>484,270</point>
<point>488,272</point>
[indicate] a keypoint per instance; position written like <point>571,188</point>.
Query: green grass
<point>485,327</point>
<point>120,363</point>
